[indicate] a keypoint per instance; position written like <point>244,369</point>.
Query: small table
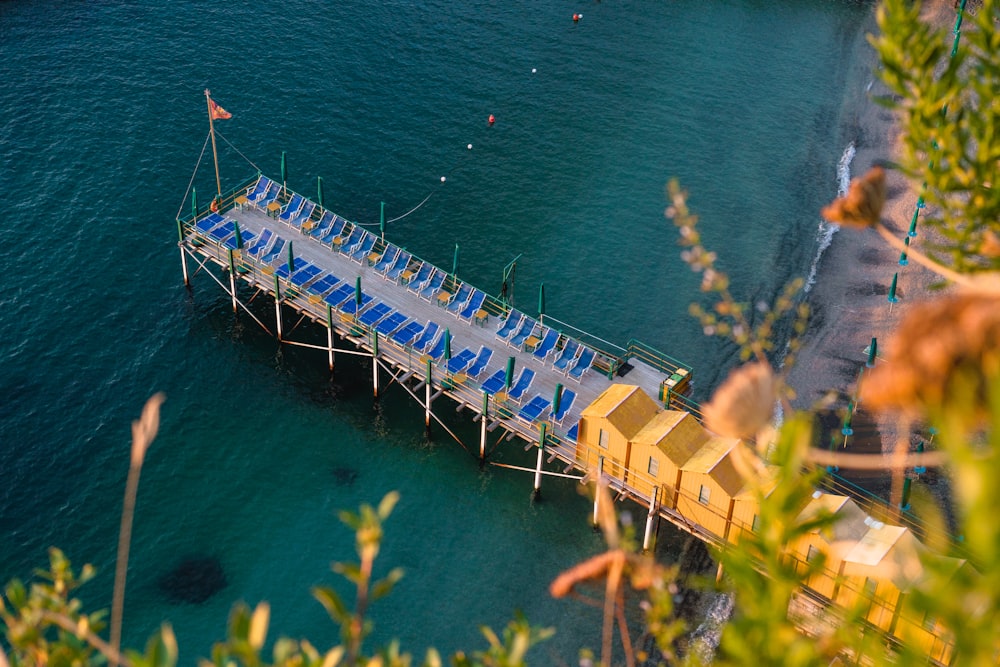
<point>373,258</point>
<point>482,317</point>
<point>531,343</point>
<point>407,275</point>
<point>273,208</point>
<point>444,298</point>
<point>240,202</point>
<point>338,241</point>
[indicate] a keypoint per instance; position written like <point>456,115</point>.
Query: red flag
<point>218,113</point>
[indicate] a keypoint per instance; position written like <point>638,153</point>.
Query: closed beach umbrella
<point>508,378</point>
<point>872,350</point>
<point>194,202</point>
<point>319,190</point>
<point>892,289</point>
<point>291,260</point>
<point>357,295</point>
<point>557,399</point>
<point>381,221</point>
<point>284,171</point>
<point>454,264</point>
<point>541,303</point>
<point>239,237</point>
<point>903,261</point>
<point>447,344</point>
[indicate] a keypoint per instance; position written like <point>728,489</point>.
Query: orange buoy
<point>576,17</point>
<point>214,206</point>
<point>491,119</point>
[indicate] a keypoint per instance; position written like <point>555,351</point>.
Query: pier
<point>614,414</point>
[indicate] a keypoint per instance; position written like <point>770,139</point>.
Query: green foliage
<point>948,104</point>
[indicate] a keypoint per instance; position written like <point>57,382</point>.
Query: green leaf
<point>334,606</point>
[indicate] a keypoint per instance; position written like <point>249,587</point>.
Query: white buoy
<point>533,70</point>
<point>442,179</point>
<point>469,147</point>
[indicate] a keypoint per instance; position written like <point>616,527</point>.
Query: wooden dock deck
<point>402,361</point>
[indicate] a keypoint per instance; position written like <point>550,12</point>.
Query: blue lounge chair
<point>324,284</point>
<point>433,285</point>
<point>387,258</point>
<point>461,361</point>
<point>282,268</point>
<point>582,365</point>
<point>398,265</point>
<point>257,247</point>
<point>534,409</point>
<point>305,274</point>
<point>391,323</point>
<point>566,358</point>
<point>363,249</point>
<point>479,365</point>
<point>523,333</point>
<point>340,295</point>
<point>256,190</point>
<point>457,301</point>
<point>347,239</point>
<point>335,230</point>
<point>321,226</point>
<point>437,349</point>
<point>304,214</point>
<point>274,252</point>
<point>352,307</point>
<point>427,336</point>
<point>508,326</point>
<point>374,315</point>
<point>406,335</point>
<point>209,222</point>
<point>565,403</point>
<point>245,235</point>
<point>516,392</point>
<point>292,208</point>
<point>222,232</point>
<point>420,277</point>
<point>474,305</point>
<point>272,192</point>
<point>495,382</point>
<point>547,345</point>
<point>573,431</point>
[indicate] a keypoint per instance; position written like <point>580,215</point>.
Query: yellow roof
<point>677,434</point>
<point>627,407</point>
<point>850,523</point>
<point>887,552</point>
<point>713,459</point>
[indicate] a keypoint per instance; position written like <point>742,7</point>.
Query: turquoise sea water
<point>102,119</point>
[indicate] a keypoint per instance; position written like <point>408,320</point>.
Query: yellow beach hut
<point>658,451</point>
<point>608,424</point>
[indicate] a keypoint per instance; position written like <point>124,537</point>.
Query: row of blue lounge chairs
<point>574,359</point>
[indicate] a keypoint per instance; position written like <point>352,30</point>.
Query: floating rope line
<point>196,167</point>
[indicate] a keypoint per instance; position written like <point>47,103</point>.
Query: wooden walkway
<point>402,361</point>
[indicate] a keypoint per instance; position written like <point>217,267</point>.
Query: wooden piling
<point>427,399</point>
<point>375,364</point>
<point>597,489</point>
<point>329,335</point>
<point>538,466</point>
<point>651,518</point>
<point>277,305</point>
<point>482,428</point>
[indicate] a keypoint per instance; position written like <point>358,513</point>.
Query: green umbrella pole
<point>557,399</point>
<point>903,261</point>
<point>904,503</point>
<point>194,203</point>
<point>319,190</point>
<point>508,377</point>
<point>920,470</point>
<point>892,289</point>
<point>381,220</point>
<point>913,221</point>
<point>872,349</point>
<point>541,302</point>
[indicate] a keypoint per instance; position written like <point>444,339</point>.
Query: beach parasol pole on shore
<point>872,350</point>
<point>892,291</point>
<point>903,261</point>
<point>845,428</point>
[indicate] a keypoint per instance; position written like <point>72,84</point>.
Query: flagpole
<point>211,130</point>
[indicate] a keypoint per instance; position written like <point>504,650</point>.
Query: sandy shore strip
<point>850,301</point>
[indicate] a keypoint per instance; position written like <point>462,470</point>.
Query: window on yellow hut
<point>704,493</point>
<point>654,466</point>
<point>812,554</point>
<point>870,586</point>
<point>755,523</point>
<point>602,439</point>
